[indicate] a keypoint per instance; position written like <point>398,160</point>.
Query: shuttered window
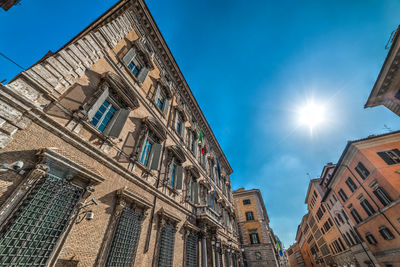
<point>220,257</point>
<point>367,207</point>
<point>227,261</point>
<point>167,240</point>
<point>191,250</point>
<point>383,197</point>
<point>351,184</point>
<point>390,157</point>
<point>126,237</point>
<point>386,233</point>
<point>342,195</point>
<point>370,238</point>
<point>151,152</point>
<point>30,236</point>
<point>249,216</point>
<point>356,216</point>
<point>362,171</point>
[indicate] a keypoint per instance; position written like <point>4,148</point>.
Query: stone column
<point>203,250</point>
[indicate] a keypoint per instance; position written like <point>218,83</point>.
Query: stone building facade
<point>256,236</point>
<point>294,256</point>
<point>108,160</point>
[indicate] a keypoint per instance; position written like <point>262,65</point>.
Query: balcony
<point>208,215</point>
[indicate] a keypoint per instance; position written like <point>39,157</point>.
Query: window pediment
<point>120,91</point>
<point>193,171</point>
<point>165,87</point>
<point>178,153</point>
<point>168,216</point>
<point>143,53</point>
<point>126,195</point>
<point>155,127</point>
<point>65,165</point>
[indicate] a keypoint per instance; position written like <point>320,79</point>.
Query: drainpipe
<point>146,245</point>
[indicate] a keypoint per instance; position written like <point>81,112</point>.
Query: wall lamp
<point>15,167</point>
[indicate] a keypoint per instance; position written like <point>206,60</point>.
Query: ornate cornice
<point>156,127</point>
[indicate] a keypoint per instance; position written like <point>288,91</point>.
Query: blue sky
<point>251,67</point>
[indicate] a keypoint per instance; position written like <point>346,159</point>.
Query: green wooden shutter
<point>179,177</point>
<point>196,193</point>
<point>166,106</point>
<point>142,74</point>
<point>129,56</point>
<point>116,124</point>
<point>386,158</point>
<point>156,153</point>
<point>103,96</point>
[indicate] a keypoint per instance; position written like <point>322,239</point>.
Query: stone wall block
<point>21,87</point>
<point>9,129</point>
<point>46,75</point>
<point>85,61</point>
<point>9,113</point>
<point>119,30</point>
<point>99,37</point>
<point>123,24</point>
<point>66,57</point>
<point>4,140</point>
<point>23,123</point>
<point>88,39</point>
<point>31,73</point>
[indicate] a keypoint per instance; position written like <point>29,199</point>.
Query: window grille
<point>220,258</point>
<point>126,237</point>
<point>227,261</point>
<point>167,240</point>
<point>191,250</point>
<point>30,236</point>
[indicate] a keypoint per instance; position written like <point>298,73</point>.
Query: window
<point>386,233</point>
<point>367,207</point>
<point>150,152</point>
<point>103,115</point>
<point>175,170</point>
<point>194,192</point>
<point>31,234</point>
<point>391,156</point>
<point>370,238</point>
<point>362,171</point>
<point>166,249</point>
<point>126,237</point>
<point>254,238</point>
<point>106,115</point>
<point>341,244</point>
<point>383,197</point>
<point>135,66</point>
<point>172,174</point>
<point>249,216</point>
<point>180,124</point>
<point>351,184</point>
<point>342,195</point>
<point>397,95</point>
<point>161,100</point>
<point>193,143</point>
<point>355,215</point>
<point>246,201</point>
<point>191,250</point>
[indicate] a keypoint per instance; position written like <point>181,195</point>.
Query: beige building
<point>107,158</point>
<point>257,238</point>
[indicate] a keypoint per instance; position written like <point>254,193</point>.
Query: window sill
<point>143,167</point>
<point>172,190</point>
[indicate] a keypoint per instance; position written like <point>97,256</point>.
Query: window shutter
<point>115,127</point>
<point>166,106</point>
<point>179,177</point>
<point>386,158</point>
<point>156,152</point>
<point>129,56</point>
<point>98,103</point>
<point>142,74</point>
<point>156,94</point>
<point>196,193</point>
<point>183,130</point>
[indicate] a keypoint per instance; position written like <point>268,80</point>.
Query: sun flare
<point>311,115</point>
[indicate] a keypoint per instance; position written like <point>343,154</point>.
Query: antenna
<point>387,128</point>
<point>12,61</point>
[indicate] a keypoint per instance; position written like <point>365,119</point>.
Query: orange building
<point>367,183</point>
<point>304,238</point>
<point>294,256</point>
<point>257,238</point>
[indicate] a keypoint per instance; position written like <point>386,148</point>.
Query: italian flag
<point>200,139</point>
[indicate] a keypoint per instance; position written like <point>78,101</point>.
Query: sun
<point>311,115</point>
